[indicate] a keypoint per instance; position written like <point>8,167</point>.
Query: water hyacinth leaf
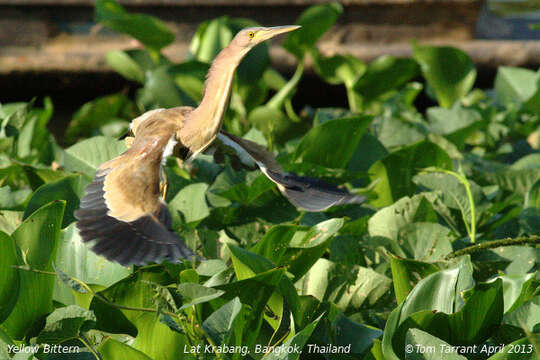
<point>406,273</point>
<point>123,64</point>
<point>191,202</point>
<point>527,343</point>
<point>75,259</point>
<point>395,172</point>
<point>86,156</point>
<point>194,294</point>
<point>315,21</point>
<point>517,289</point>
<point>160,90</point>
<point>113,349</point>
<point>417,341</point>
<point>387,222</point>
<point>66,323</point>
<point>13,200</point>
<point>149,30</point>
<point>456,124</point>
<point>298,341</point>
<point>275,242</point>
<point>190,76</point>
<point>340,135</point>
<point>37,239</point>
<point>247,264</point>
<point>70,189</point>
<point>9,275</point>
<point>219,324</point>
<point>515,86</point>
<point>426,241</point>
<point>384,74</point>
<point>449,71</point>
<point>338,69</point>
<point>317,234</point>
<point>96,113</point>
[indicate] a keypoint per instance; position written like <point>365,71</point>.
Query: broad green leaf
<point>515,86</point>
<point>384,74</point>
<point>160,90</point>
<point>395,172</point>
<point>191,202</point>
<point>426,241</point>
<point>333,143</point>
<point>37,239</point>
<point>422,346</point>
<point>70,189</point>
<point>317,234</point>
<point>273,123</point>
<point>456,124</point>
<point>246,264</point>
<point>94,114</point>
<point>526,317</point>
<point>348,287</point>
<point>315,21</point>
<point>517,289</point>
<point>13,200</point>
<point>298,341</point>
<point>219,324</point>
<point>123,64</point>
<point>388,221</point>
<point>147,29</point>
<point>522,349</point>
<point>112,349</point>
<point>338,69</point>
<point>193,294</point>
<point>65,324</point>
<point>10,220</point>
<point>190,76</point>
<point>275,242</point>
<point>9,276</point>
<point>87,155</point>
<point>449,71</point>
<point>75,258</point>
<point>406,273</point>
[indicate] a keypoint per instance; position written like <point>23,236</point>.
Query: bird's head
<point>249,37</point>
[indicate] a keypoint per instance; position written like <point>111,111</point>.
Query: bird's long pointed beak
<point>276,30</point>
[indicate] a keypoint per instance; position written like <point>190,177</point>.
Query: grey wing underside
<point>147,239</point>
<point>304,192</point>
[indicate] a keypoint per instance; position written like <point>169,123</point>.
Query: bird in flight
<point>122,213</point>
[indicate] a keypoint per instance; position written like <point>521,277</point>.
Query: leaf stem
<point>89,346</point>
<point>522,240</point>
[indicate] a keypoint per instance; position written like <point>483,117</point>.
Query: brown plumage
<point>122,213</point>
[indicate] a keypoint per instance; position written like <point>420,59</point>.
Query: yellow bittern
<point>122,212</point>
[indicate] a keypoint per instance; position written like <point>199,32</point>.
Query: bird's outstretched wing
<point>304,192</point>
<point>122,214</point>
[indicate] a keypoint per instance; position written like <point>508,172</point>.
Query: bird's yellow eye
<point>251,34</point>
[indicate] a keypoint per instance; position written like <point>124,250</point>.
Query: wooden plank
<point>233,3</point>
<point>88,55</point>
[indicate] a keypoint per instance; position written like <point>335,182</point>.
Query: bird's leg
<point>163,184</point>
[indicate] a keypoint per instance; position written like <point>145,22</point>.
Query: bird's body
<point>123,213</point>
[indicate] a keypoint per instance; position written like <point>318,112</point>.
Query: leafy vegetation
<point>441,255</point>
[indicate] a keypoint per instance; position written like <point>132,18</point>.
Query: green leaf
<point>65,324</point>
<point>387,222</point>
<point>219,324</point>
<point>147,29</point>
<point>275,242</point>
<point>37,239</point>
<point>298,341</point>
<point>513,351</point>
<point>87,155</point>
<point>13,200</point>
<point>113,349</point>
<point>422,346</point>
<point>75,258</point>
<point>315,21</point>
<point>123,64</point>
<point>449,71</point>
<point>333,143</point>
<point>348,287</point>
<point>189,76</point>
<point>70,189</point>
<point>94,114</point>
<point>395,172</point>
<point>317,234</point>
<point>338,69</point>
<point>161,91</point>
<point>426,241</point>
<point>406,273</point>
<point>194,294</point>
<point>9,276</point>
<point>191,201</point>
<point>515,86</point>
<point>456,124</point>
<point>384,74</point>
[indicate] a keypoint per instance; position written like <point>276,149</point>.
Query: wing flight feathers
<point>304,192</point>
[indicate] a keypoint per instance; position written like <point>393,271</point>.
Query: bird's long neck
<point>204,122</point>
